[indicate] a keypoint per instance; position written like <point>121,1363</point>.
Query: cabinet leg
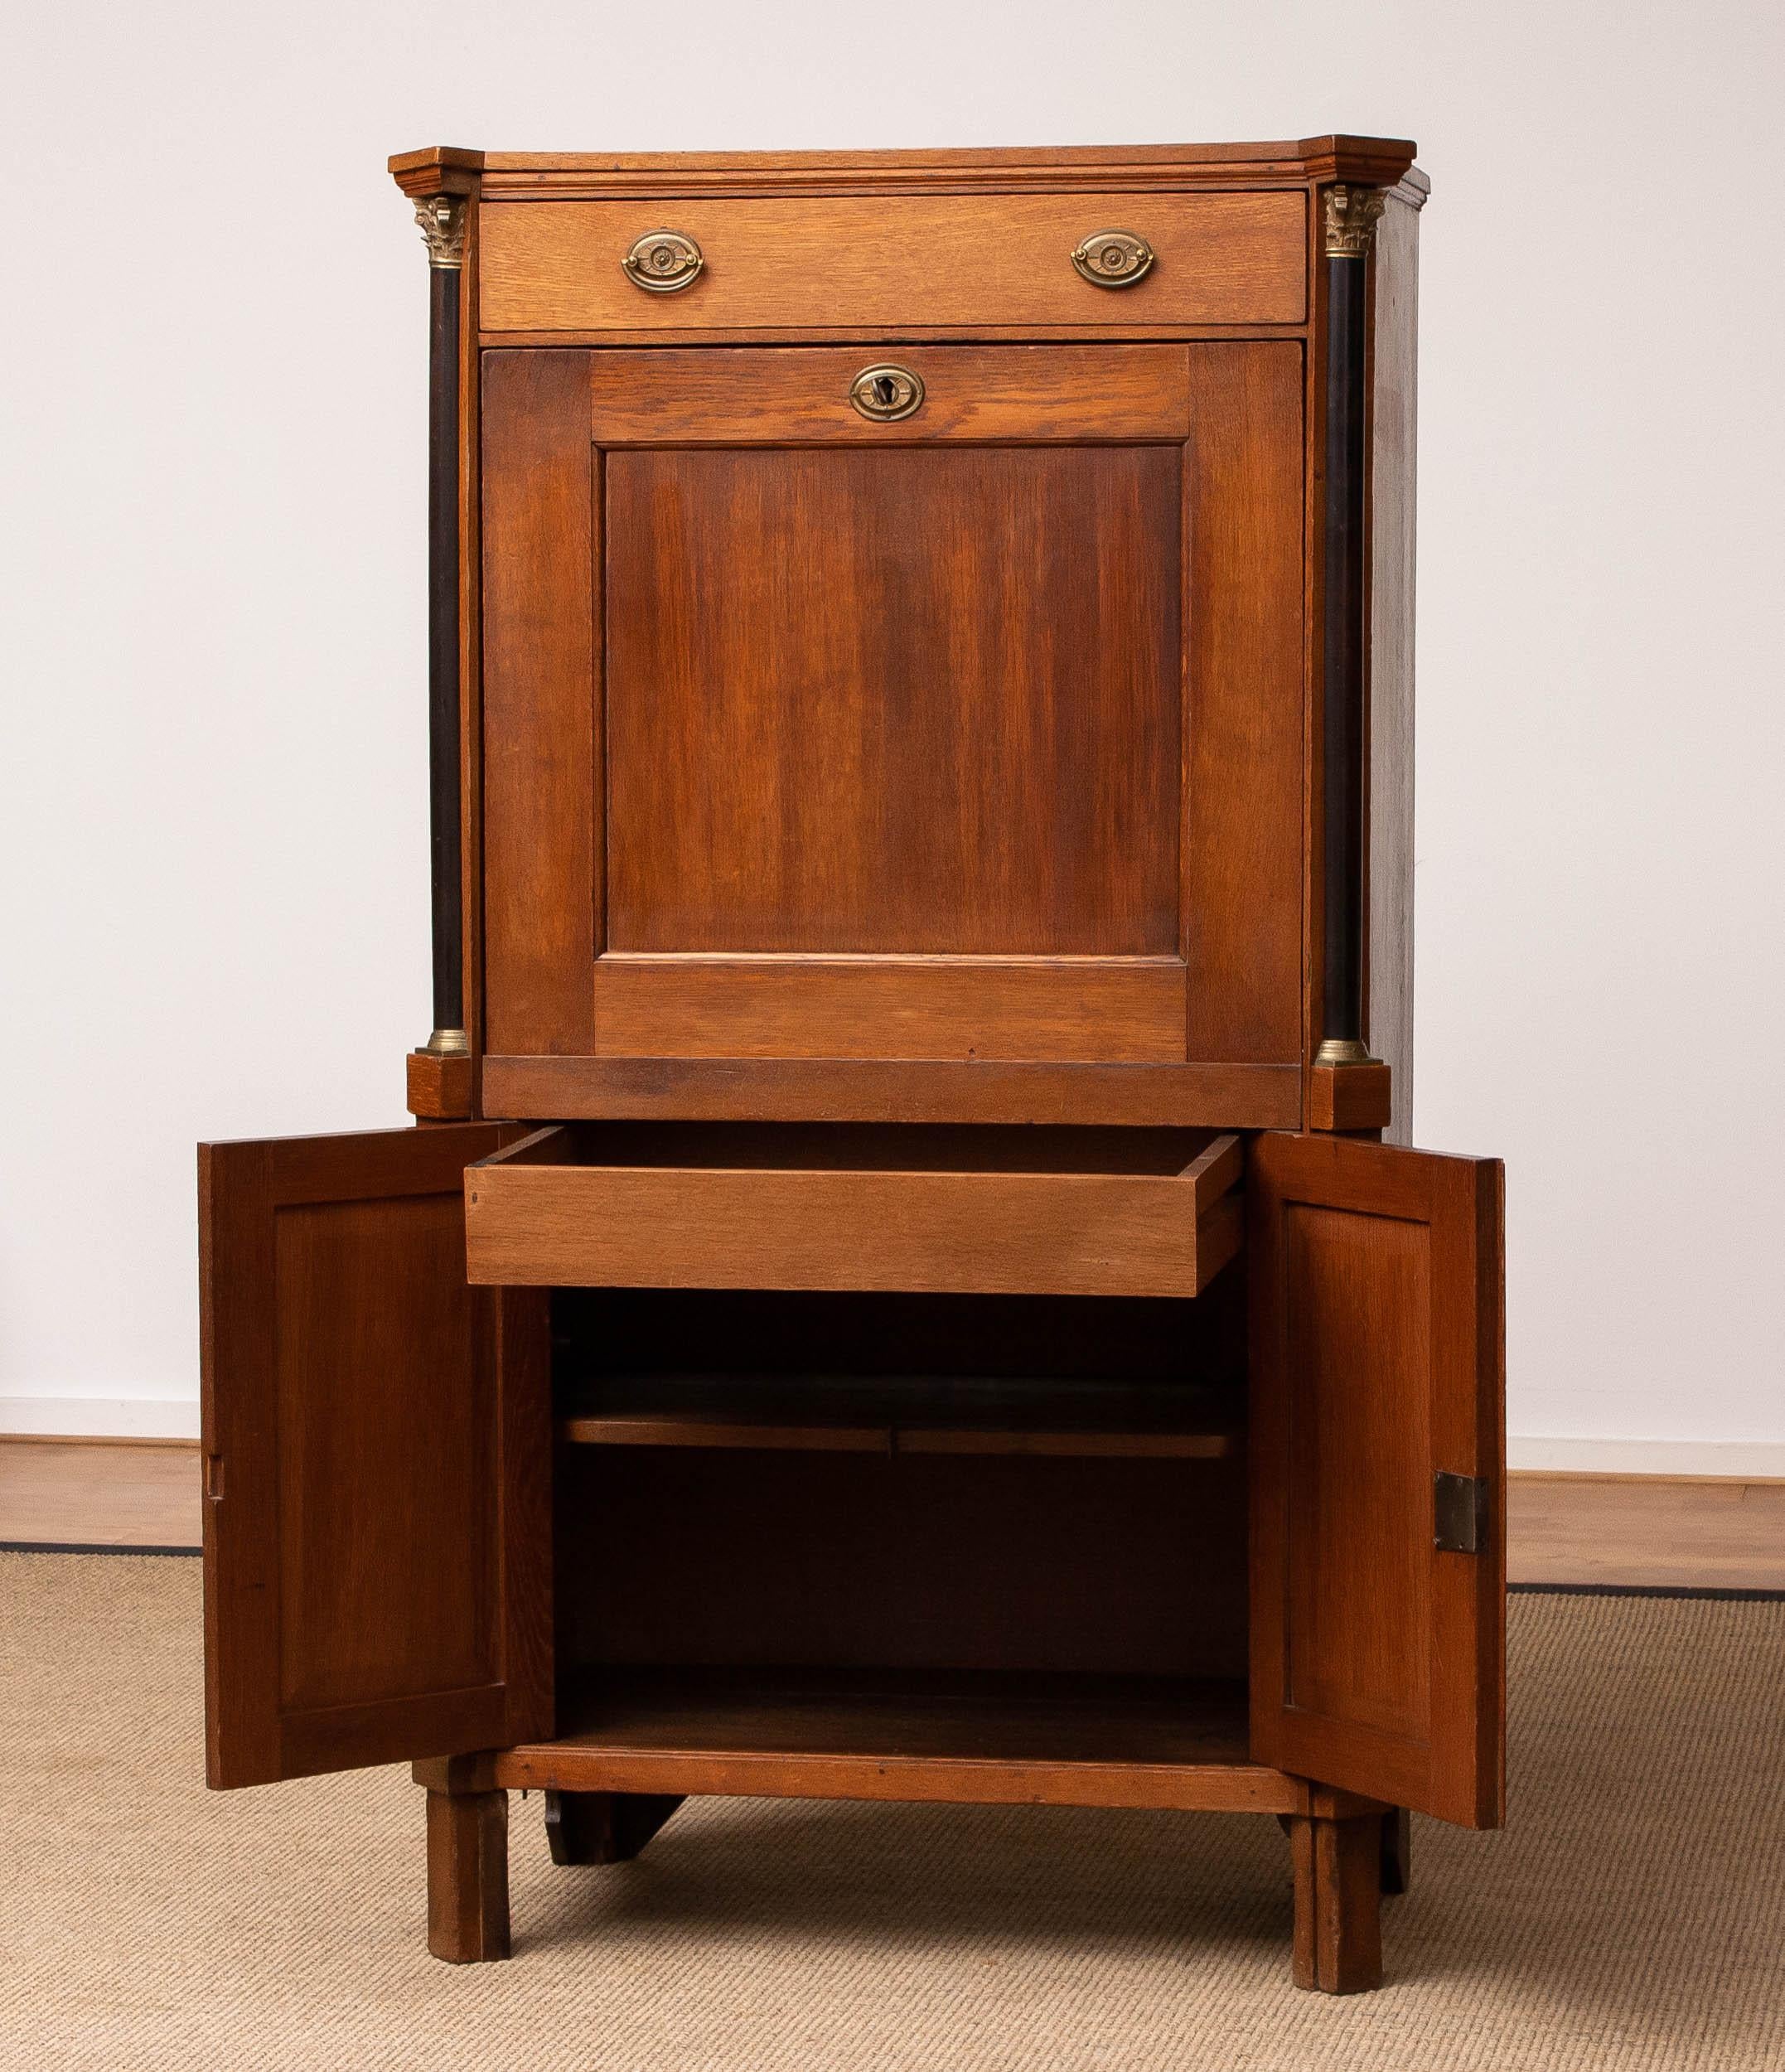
<point>1338,1918</point>
<point>1397,1850</point>
<point>467,1875</point>
<point>603,1827</point>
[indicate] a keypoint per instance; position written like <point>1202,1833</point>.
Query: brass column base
<point>1342,1050</point>
<point>448,1043</point>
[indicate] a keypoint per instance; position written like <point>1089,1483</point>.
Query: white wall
<point>213,816</point>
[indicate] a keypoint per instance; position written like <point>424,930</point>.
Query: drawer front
<point>909,262</point>
<point>536,1219</point>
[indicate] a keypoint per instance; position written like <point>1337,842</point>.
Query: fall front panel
<point>813,738</point>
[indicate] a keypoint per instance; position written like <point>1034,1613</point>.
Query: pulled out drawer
<point>931,1209</point>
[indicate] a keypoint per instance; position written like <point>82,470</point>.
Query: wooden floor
<point>1608,1529</point>
<point>1713,1533</point>
<point>99,1493</point>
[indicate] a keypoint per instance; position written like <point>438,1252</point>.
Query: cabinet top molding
<point>1383,162</point>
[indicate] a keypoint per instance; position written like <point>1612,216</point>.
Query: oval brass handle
<point>663,261</point>
<point>1113,259</point>
<point>886,393</point>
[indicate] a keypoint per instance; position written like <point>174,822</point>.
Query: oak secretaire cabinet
<point>909,1282</point>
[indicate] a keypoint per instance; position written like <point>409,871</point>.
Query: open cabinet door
<point>1378,1471</point>
<point>377,1444</point>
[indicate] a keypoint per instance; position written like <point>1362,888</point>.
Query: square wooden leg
<point>467,1875</point>
<point>1338,1913</point>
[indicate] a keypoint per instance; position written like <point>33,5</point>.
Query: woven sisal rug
<point>1634,1914</point>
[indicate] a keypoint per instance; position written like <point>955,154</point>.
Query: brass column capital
<point>1351,215</point>
<point>442,218</point>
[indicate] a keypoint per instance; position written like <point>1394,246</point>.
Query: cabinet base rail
<point>1344,1853</point>
<point>649,1739</point>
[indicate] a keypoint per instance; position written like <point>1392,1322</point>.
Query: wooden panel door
<point>971,739</point>
<point>1378,1365</point>
<point>377,1444</point>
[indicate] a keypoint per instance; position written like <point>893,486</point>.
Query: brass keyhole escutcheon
<point>886,393</point>
<point>1113,259</point>
<point>664,262</point>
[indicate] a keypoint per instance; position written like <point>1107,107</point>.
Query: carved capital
<point>442,217</point>
<point>1351,215</point>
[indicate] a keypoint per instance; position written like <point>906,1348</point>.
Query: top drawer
<point>911,261</point>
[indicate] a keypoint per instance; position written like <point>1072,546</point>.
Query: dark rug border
<point>78,1546</point>
<point>1689,1594</point>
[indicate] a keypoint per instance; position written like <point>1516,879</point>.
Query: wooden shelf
<point>923,1414</point>
<point>984,1738</point>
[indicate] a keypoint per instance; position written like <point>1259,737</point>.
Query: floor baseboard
<point>68,1417</point>
<point>1674,1459</point>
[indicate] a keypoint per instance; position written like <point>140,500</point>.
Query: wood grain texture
<point>1112,1744</point>
<point>939,259</point>
<point>1106,1420</point>
<point>1394,356</point>
<point>1243,830</point>
<point>894,702</point>
<point>1371,160</point>
<point>1377,1358</point>
<point>99,1492</point>
<point>583,1223</point>
<point>1123,1010</point>
<point>1349,1097</point>
<point>360,1602</point>
<point>770,396</point>
<point>1337,1946</point>
<point>863,705</point>
<point>468,1876</point>
<point>1654,1532</point>
<point>542,784</point>
<point>891,1089</point>
<point>439,1088</point>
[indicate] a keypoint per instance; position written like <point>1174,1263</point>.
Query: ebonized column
<point>442,218</point>
<point>1351,217</point>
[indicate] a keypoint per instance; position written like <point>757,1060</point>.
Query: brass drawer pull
<point>1113,259</point>
<point>886,393</point>
<point>663,261</point>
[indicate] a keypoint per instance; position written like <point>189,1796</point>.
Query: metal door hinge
<point>1459,1514</point>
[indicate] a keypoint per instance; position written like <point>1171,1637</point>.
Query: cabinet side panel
<point>542,750</point>
<point>1242,893</point>
<point>1389,978</point>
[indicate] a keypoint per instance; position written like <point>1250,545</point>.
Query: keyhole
<point>886,391</point>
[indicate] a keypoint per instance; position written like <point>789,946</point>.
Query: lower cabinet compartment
<point>901,1546</point>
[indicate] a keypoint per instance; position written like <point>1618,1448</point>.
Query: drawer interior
<point>833,1147</point>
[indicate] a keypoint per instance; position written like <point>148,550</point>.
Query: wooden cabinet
<point>909,1282</point>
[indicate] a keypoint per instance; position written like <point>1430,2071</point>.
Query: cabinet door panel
<point>1378,1658</point>
<point>946,735</point>
<point>377,1444</point>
